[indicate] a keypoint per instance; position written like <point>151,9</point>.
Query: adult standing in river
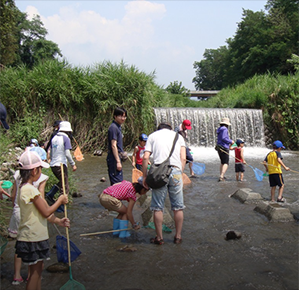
<point>158,146</point>
<point>223,143</point>
<point>115,146</point>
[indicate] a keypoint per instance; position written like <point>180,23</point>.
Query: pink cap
<point>30,159</point>
<point>187,124</point>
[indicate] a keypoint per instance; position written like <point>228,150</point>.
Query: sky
<point>164,37</point>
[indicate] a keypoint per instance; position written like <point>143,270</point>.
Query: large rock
<point>246,195</point>
<point>274,212</point>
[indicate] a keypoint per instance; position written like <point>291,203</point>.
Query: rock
<point>98,153</point>
<point>103,179</point>
<point>127,248</point>
<point>233,235</point>
<point>75,194</point>
<point>274,212</point>
<point>58,268</point>
<point>246,195</point>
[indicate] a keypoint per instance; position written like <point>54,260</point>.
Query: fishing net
<point>165,229</point>
<point>62,252</point>
<point>259,174</point>
<point>186,179</point>
<point>198,168</point>
<point>3,243</point>
<point>72,285</point>
<point>136,173</point>
<point>78,154</point>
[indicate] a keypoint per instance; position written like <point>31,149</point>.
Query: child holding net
<point>32,244</point>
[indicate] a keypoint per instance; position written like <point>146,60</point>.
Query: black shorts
<point>239,167</point>
<point>224,156</point>
<point>276,179</point>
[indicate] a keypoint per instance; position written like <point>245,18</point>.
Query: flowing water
<point>265,257</point>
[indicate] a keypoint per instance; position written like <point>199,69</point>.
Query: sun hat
<point>30,159</point>
<point>278,144</point>
<point>34,141</point>
<point>3,115</point>
<point>65,126</point>
<point>239,141</point>
<point>225,121</point>
<point>143,137</point>
<point>187,124</point>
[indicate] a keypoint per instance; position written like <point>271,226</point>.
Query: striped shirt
<point>122,191</point>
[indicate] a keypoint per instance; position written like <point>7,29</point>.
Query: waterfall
<point>247,124</point>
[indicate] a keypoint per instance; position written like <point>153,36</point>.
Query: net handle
<point>65,214</point>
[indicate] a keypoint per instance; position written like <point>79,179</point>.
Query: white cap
<point>30,159</point>
<point>65,126</point>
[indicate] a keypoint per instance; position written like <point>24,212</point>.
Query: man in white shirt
<point>158,146</point>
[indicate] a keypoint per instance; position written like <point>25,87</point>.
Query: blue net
<point>62,253</point>
<point>198,168</point>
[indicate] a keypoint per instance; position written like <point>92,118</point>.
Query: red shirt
<point>139,155</point>
<point>122,191</point>
<point>238,155</point>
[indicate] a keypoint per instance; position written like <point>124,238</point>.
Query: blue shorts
<point>276,179</point>
<point>175,190</point>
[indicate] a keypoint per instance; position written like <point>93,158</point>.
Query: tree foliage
<point>262,44</point>
<point>23,41</point>
<point>177,88</point>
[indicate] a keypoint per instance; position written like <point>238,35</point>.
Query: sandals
<point>282,199</point>
<point>177,240</point>
<point>156,241</point>
<point>17,281</point>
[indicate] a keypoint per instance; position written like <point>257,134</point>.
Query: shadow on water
<point>265,257</point>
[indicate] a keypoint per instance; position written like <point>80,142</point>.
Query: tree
<point>33,46</point>
<point>177,88</point>
<point>211,71</point>
<point>8,32</point>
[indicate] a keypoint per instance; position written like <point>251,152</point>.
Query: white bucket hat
<point>65,126</point>
<point>225,121</point>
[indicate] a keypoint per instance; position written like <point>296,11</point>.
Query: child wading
<point>239,159</point>
<point>273,163</point>
<point>139,152</point>
<point>32,244</point>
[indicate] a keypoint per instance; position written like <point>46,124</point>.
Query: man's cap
<point>239,141</point>
<point>143,137</point>
<point>225,121</point>
<point>65,126</point>
<point>56,123</point>
<point>278,144</point>
<point>3,115</point>
<point>30,159</point>
<point>187,124</point>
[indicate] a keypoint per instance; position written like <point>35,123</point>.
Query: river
<point>265,257</point>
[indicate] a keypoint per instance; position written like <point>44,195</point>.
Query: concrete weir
<point>273,211</point>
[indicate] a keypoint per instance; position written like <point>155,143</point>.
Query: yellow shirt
<point>33,226</point>
<point>272,159</point>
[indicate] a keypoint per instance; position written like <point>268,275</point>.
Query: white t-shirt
<point>160,143</point>
<point>59,144</point>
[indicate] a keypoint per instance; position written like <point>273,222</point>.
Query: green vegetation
<point>262,43</point>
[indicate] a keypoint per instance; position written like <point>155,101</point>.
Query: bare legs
<point>223,168</point>
<point>34,281</point>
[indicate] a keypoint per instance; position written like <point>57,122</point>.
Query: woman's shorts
<point>109,202</point>
<point>276,179</point>
<point>224,156</point>
<point>33,252</point>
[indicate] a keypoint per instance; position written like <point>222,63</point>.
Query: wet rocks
<point>274,212</point>
<point>76,194</point>
<point>246,195</point>
<point>58,268</point>
<point>98,153</point>
<point>103,179</point>
<point>233,235</point>
<point>127,248</point>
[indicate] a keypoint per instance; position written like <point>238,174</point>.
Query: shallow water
<point>266,256</point>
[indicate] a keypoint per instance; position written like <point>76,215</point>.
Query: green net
<point>3,243</point>
<point>165,229</point>
<point>72,284</point>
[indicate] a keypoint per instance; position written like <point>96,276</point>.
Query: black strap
<point>174,141</point>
